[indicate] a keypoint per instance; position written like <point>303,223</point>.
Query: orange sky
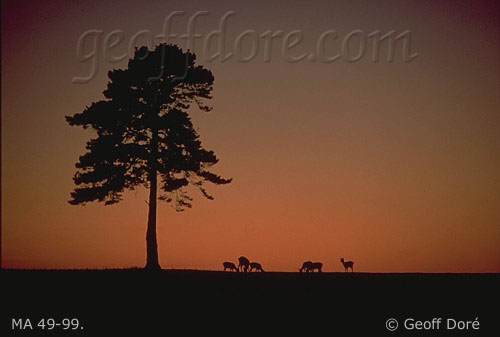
<point>392,165</point>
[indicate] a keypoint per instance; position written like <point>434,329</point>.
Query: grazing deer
<point>256,266</point>
<point>347,265</point>
<point>244,263</point>
<point>306,266</point>
<point>318,266</point>
<point>230,266</point>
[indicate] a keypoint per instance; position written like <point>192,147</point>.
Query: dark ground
<point>184,303</point>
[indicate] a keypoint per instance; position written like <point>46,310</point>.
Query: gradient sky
<point>395,165</point>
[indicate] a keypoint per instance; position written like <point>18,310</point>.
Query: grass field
<point>234,303</point>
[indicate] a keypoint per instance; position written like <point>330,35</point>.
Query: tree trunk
<point>151,243</point>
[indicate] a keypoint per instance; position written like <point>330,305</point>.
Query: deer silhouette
<point>244,263</point>
<point>347,265</point>
<point>318,266</point>
<point>230,266</point>
<point>306,266</point>
<point>309,266</point>
<point>256,266</point>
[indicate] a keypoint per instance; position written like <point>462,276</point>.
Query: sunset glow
<point>394,165</point>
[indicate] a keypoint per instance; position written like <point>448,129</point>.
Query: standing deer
<point>318,266</point>
<point>306,266</point>
<point>256,266</point>
<point>230,266</point>
<point>244,264</point>
<point>347,265</point>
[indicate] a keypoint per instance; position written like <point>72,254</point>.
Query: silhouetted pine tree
<point>145,137</point>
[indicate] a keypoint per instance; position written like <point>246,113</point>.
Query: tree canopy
<point>143,128</point>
